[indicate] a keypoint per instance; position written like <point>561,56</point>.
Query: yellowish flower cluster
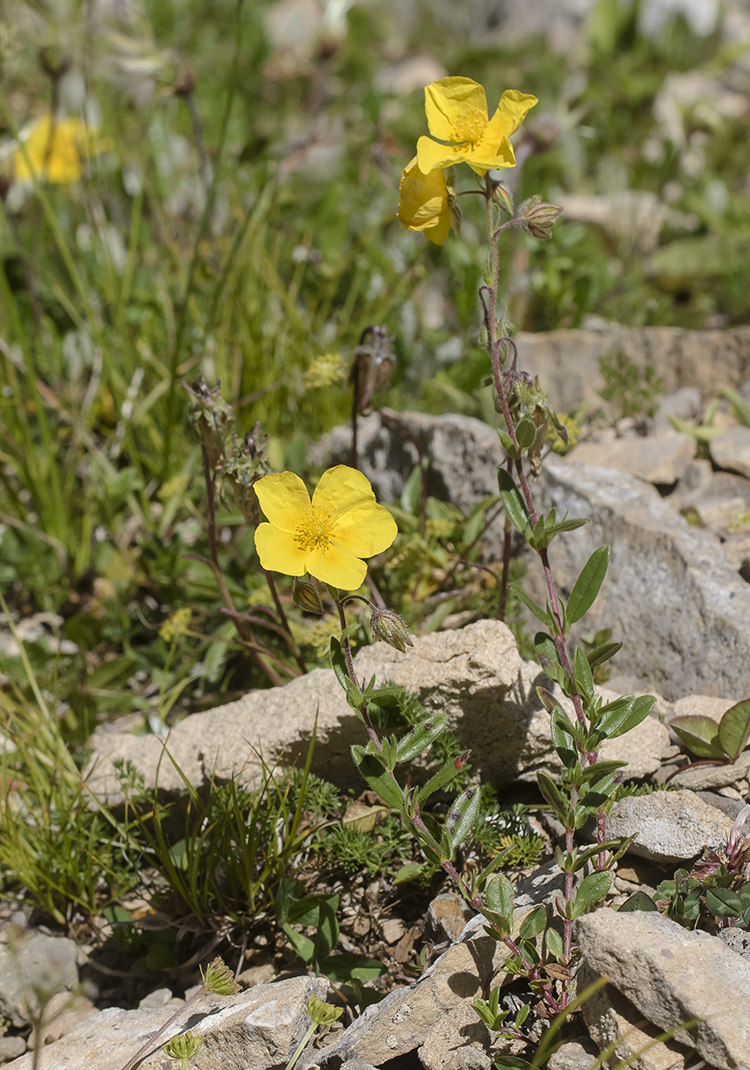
<point>54,150</point>
<point>325,370</point>
<point>457,114</point>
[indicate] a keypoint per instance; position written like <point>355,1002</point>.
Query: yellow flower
<point>425,202</point>
<point>457,112</point>
<point>55,149</point>
<point>325,537</point>
<point>325,370</point>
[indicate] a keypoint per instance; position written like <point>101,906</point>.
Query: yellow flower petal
<point>278,552</point>
<point>432,156</point>
<point>423,200</point>
<point>440,231</point>
<point>283,498</point>
<point>365,530</point>
<point>342,488</point>
<point>511,112</point>
<point>456,109</point>
<point>335,566</point>
<point>55,149</point>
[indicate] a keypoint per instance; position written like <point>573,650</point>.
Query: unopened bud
<point>305,595</point>
<point>501,196</point>
<point>389,627</point>
<point>219,979</point>
<point>182,1047</point>
<point>538,217</point>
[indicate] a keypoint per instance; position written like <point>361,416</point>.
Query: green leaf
<point>699,734</point>
<point>738,403</point>
<point>409,872</point>
<point>540,614</point>
<point>533,923</point>
<point>549,659</point>
<point>638,901</point>
<point>327,935</point>
<point>499,895</point>
<point>508,445</point>
<point>588,584</point>
<point>302,944</point>
<point>420,738</point>
<point>338,664</point>
<point>411,495</point>
<point>734,729</point>
<point>602,653</point>
<point>511,1062</point>
<point>526,431</point>
<point>439,780</point>
<point>379,780</point>
<point>723,902</point>
<point>515,507</point>
<point>345,967</point>
<point>563,739</point>
<point>554,944</point>
<point>592,891</point>
<point>462,817</point>
<point>583,676</point>
<point>599,771</point>
<point>551,793</point>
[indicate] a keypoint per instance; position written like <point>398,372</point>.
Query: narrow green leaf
<point>338,663</point>
<point>346,966</point>
<point>508,446</point>
<point>515,507</point>
<point>554,944</point>
<point>327,935</point>
<point>602,653</point>
<point>583,676</point>
<point>379,780</point>
<point>734,729</point>
<point>592,891</point>
<point>588,584</point>
<point>420,738</point>
<point>549,659</point>
<point>551,793</point>
<point>563,739</point>
<point>462,816</point>
<point>540,614</point>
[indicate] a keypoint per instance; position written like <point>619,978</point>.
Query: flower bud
<point>184,1046</point>
<point>218,978</point>
<point>389,627</point>
<point>501,196</point>
<point>305,595</point>
<point>538,217</point>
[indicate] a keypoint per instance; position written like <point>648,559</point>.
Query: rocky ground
<point>677,594</point>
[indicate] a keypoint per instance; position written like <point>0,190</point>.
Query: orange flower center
<point>469,124</point>
<point>315,528</point>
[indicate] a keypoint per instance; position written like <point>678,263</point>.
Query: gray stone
<point>567,362</point>
<point>705,777</point>
<point>259,1028</point>
<point>680,610</point>
<point>574,1055</point>
<point>11,1048</point>
<point>63,1012</point>
<point>730,450</point>
<point>611,1019</point>
<point>40,964</point>
<point>674,976</point>
<point>448,914</point>
<point>670,826</point>
<point>736,939</point>
<point>684,403</point>
<point>660,459</point>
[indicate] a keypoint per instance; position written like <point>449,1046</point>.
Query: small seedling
<point>719,742</point>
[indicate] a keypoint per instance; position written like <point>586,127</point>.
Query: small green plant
<point>717,742</point>
<point>182,1048</point>
<point>632,390</point>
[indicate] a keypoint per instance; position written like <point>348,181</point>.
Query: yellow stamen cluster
<point>315,528</point>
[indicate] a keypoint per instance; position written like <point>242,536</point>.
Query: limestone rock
<point>679,609</point>
<point>673,976</point>
<point>64,1011</point>
<point>670,826</point>
<point>731,450</point>
<point>259,1028</point>
<point>47,963</point>
<point>612,1019</point>
<point>11,1048</point>
<point>660,459</point>
<point>574,1055</point>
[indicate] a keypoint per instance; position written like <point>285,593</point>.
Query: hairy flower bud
<point>305,595</point>
<point>538,217</point>
<point>389,627</point>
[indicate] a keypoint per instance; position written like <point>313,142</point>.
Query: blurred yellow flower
<point>457,112</point>
<point>176,625</point>
<point>325,370</point>
<point>326,537</point>
<point>425,202</point>
<point>55,150</point>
